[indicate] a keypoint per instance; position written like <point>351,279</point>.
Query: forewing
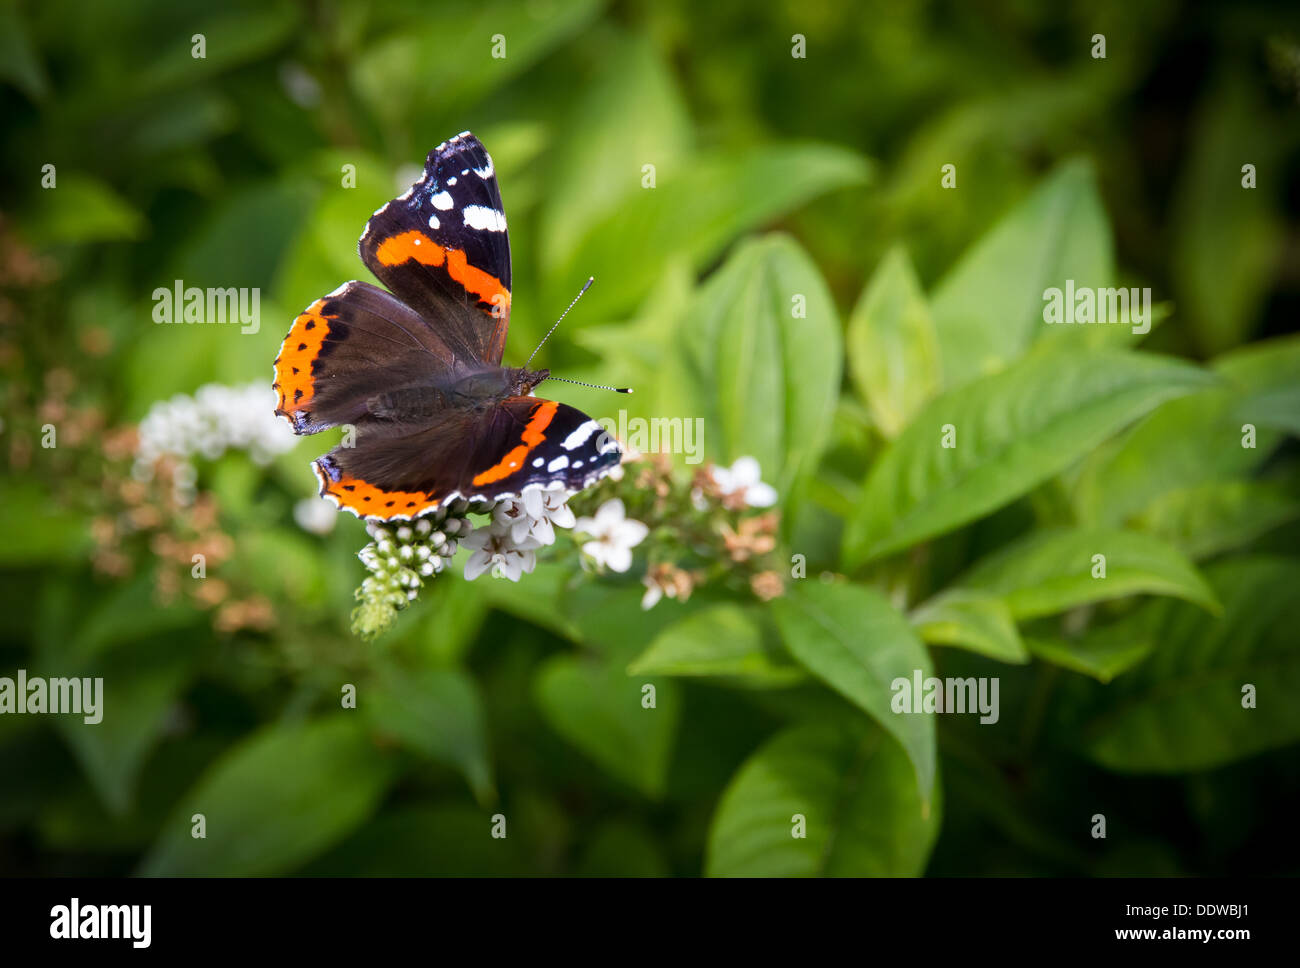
<point>442,247</point>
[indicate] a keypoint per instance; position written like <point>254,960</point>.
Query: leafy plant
<point>1101,520</point>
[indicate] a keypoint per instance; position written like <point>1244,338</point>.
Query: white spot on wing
<point>451,180</point>
<point>580,436</point>
<point>442,201</point>
<point>484,219</point>
<point>559,464</point>
<point>433,222</point>
<point>486,173</point>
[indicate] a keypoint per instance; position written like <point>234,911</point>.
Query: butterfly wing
<point>348,346</point>
<point>399,473</point>
<point>443,249</point>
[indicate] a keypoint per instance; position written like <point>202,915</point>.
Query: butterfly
<point>416,369</point>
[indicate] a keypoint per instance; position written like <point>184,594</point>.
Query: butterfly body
<point>417,372</point>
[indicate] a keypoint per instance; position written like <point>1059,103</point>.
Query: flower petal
<point>745,471</point>
<point>533,504</point>
<point>652,595</point>
<point>760,495</point>
<point>562,517</point>
<point>630,533</point>
<point>476,564</point>
<point>610,513</point>
<point>618,557</point>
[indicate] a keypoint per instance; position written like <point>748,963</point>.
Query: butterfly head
<point>522,380</point>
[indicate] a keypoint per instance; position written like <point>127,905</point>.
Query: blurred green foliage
<point>775,176</point>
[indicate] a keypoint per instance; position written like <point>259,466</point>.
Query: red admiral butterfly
<point>418,371</point>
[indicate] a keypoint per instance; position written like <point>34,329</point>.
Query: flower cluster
<point>399,558</point>
<point>709,527</point>
<point>508,545</point>
<point>179,527</point>
<point>216,419</point>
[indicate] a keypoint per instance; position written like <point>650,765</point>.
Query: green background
<point>775,176</point>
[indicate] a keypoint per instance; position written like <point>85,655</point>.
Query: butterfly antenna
<point>590,280</point>
<point>594,386</point>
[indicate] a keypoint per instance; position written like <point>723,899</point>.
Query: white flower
<point>496,549</point>
<point>217,418</point>
<point>743,478</point>
<point>653,592</point>
<point>315,514</point>
<point>615,533</point>
<point>536,515</point>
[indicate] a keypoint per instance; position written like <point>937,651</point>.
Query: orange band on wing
<point>368,501</point>
<point>416,246</point>
<point>486,286</point>
<point>410,245</point>
<point>293,381</point>
<point>533,435</point>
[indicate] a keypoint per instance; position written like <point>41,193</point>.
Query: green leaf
<point>723,640</point>
<point>695,212</point>
<point>749,355</point>
<point>1183,708</point>
<point>1103,652</point>
<point>1218,516</point>
<point>621,849</point>
<point>1053,570</point>
<point>857,796</point>
<point>629,115</point>
<point>324,253</point>
<point>536,600</point>
<point>81,208</point>
<point>127,613</point>
<point>852,639</point>
<point>438,714</point>
<point>989,308</point>
<point>892,345</point>
<point>1226,238</point>
<point>35,529</point>
<point>970,620</point>
<point>232,38</point>
<point>1276,407</point>
<point>425,841</point>
<point>597,708</point>
<point>20,64</point>
<point>415,73</point>
<point>1194,440</point>
<point>451,621</point>
<point>275,800</point>
<point>1011,431</point>
<point>140,685</point>
<point>608,618</point>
